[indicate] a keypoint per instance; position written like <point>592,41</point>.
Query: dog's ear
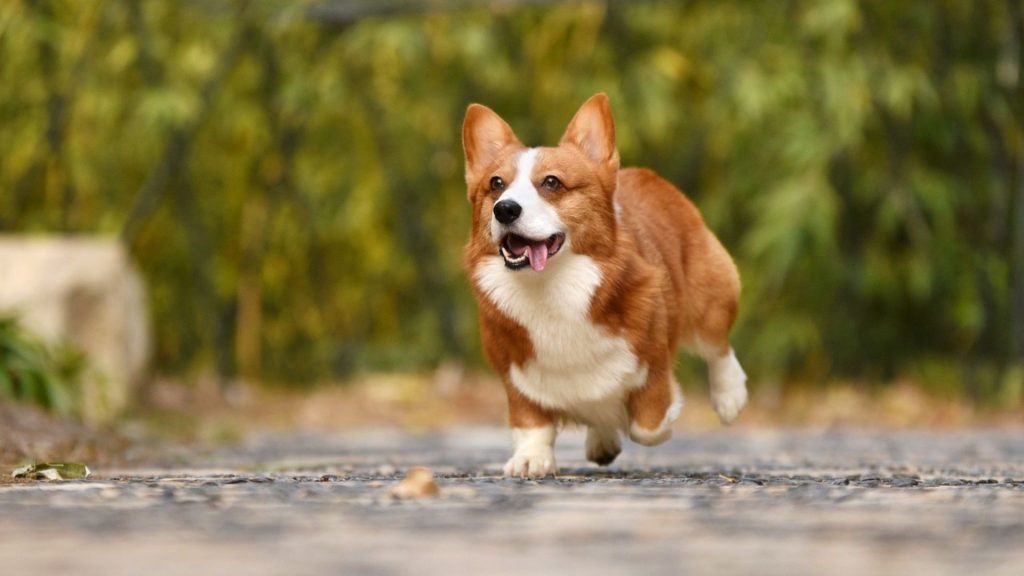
<point>484,135</point>
<point>593,130</point>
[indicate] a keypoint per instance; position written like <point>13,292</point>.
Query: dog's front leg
<point>654,407</point>
<point>533,431</point>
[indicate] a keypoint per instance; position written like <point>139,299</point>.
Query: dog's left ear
<point>593,130</point>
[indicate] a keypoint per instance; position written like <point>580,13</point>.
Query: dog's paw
<point>729,402</point>
<point>728,388</point>
<point>652,437</point>
<point>603,445</point>
<point>645,437</point>
<point>532,464</point>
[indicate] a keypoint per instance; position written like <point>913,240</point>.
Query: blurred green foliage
<point>30,371</point>
<point>289,174</point>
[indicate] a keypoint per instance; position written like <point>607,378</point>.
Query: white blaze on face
<point>539,219</point>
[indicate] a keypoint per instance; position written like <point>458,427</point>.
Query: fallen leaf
<point>53,471</point>
<point>418,483</point>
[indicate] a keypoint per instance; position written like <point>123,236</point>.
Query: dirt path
<point>741,502</point>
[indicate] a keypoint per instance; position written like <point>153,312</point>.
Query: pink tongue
<point>538,255</point>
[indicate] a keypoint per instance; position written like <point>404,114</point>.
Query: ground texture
<point>729,502</point>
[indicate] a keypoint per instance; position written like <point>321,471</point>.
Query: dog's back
<point>671,235</point>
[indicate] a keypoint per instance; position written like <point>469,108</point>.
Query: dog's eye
<point>497,184</point>
<point>551,183</point>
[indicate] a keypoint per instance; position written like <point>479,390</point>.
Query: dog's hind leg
<point>728,384</point>
<point>709,312</point>
<point>727,381</point>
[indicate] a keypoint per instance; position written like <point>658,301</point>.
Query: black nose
<point>507,211</point>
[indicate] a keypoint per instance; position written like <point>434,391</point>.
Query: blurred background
<point>286,177</point>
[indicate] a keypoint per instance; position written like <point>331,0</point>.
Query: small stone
<point>418,483</point>
<point>905,481</point>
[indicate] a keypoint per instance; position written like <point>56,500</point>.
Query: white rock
<point>85,291</point>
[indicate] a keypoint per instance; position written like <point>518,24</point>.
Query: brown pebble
<point>418,483</point>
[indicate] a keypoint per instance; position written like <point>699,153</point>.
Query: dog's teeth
<point>511,258</point>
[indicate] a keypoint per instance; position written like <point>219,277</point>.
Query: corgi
<point>588,278</point>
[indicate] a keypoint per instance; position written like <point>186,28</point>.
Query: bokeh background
<point>288,175</point>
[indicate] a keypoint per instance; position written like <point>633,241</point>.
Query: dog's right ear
<point>592,129</point>
<point>484,135</point>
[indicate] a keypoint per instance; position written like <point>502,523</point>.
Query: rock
<point>85,291</point>
<point>418,483</point>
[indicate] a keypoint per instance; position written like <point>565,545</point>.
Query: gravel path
<point>729,502</point>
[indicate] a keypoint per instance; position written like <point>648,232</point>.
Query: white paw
<point>729,403</point>
<point>728,387</point>
<point>603,445</point>
<point>532,464</point>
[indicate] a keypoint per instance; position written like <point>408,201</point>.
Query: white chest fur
<point>578,367</point>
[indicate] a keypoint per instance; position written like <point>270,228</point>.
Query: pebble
<point>418,483</point>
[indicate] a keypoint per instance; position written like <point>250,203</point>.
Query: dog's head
<point>530,204</point>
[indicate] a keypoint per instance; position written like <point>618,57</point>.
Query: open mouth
<point>520,252</point>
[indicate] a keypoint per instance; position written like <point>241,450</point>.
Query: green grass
<point>31,371</point>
